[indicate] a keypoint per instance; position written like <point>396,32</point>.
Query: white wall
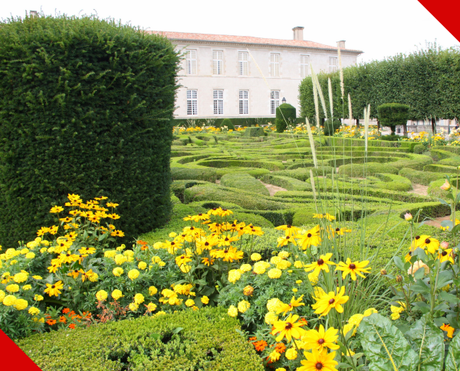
<point>259,83</point>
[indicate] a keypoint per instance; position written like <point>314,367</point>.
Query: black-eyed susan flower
<point>353,268</point>
<point>54,289</point>
<point>318,360</point>
<point>326,302</point>
<point>322,264</point>
<point>288,229</point>
<point>294,303</point>
<point>285,240</point>
<point>446,255</point>
<point>288,329</point>
<point>309,238</point>
<point>449,329</point>
<point>321,339</point>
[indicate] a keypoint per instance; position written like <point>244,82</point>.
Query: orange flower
<point>280,348</point>
<point>62,319</point>
<point>260,345</point>
<point>72,326</point>
<point>66,310</point>
<point>51,322</point>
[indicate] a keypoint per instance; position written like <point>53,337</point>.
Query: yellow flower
<point>190,303</point>
<point>133,307</point>
<point>353,268</point>
<point>152,290</point>
<point>38,298</point>
<point>271,318</point>
<point>2,295</point>
<point>12,288</point>
<point>446,186</point>
<point>151,307</point>
<point>30,255</point>
<point>256,257</point>
<point>26,287</point>
<point>274,273</point>
<point>101,295</point>
<point>260,267</point>
<point>120,259</point>
<point>325,302</point>
<point>291,354</point>
<point>21,304</point>
<point>243,306</point>
<point>309,238</point>
<point>318,360</point>
<point>274,356</point>
<point>117,294</point>
<point>138,299</point>
<point>449,329</point>
<point>133,274</point>
<point>320,339</point>
<point>54,289</point>
<point>205,300</point>
<point>274,304</point>
<point>9,300</point>
<point>245,268</point>
<point>288,329</point>
<point>117,271</point>
<point>34,311</point>
<point>232,311</point>
<point>142,265</point>
<point>322,264</point>
<point>234,275</point>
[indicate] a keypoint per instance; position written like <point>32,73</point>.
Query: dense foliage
<point>393,114</point>
<point>285,115</point>
<point>425,80</point>
<point>86,107</point>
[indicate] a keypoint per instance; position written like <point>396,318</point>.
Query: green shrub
<point>254,132</point>
<point>189,340</point>
<point>245,182</point>
<point>371,168</point>
<point>285,115</point>
<point>419,149</point>
<point>390,137</point>
<point>393,182</point>
<point>330,127</point>
<point>228,123</point>
<point>291,184</point>
<point>88,110</point>
<point>392,114</point>
<point>420,177</point>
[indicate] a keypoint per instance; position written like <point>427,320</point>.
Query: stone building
<point>238,76</point>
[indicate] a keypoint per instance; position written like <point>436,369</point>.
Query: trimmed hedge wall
<point>206,339</point>
<point>86,108</point>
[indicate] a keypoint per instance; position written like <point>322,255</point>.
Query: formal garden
<point>133,242</point>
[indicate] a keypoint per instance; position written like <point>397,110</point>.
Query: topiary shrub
<point>254,132</point>
<point>392,114</point>
<point>419,149</point>
<point>228,124</point>
<point>285,115</point>
<point>330,127</point>
<point>86,107</point>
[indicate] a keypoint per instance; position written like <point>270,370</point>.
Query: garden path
<point>419,189</point>
<point>273,189</point>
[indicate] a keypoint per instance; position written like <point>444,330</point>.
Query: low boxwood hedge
<point>245,182</point>
<point>205,339</point>
<point>291,184</point>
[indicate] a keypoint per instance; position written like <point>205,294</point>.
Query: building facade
<point>238,76</point>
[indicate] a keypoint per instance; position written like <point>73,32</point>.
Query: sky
<point>381,29</point>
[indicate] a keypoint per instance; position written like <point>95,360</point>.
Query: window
<point>274,101</point>
<point>218,96</point>
<point>304,65</point>
<point>243,63</point>
<point>190,62</point>
<point>217,62</point>
<point>192,102</point>
<point>333,63</point>
<point>244,102</point>
<point>274,64</point>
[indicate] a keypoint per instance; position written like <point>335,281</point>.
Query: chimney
<point>298,33</point>
<point>33,13</point>
<point>341,44</point>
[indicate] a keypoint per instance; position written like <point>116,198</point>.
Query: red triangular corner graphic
<point>446,12</point>
<point>12,357</point>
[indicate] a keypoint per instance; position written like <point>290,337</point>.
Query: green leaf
<point>428,341</point>
<point>444,278</point>
<point>453,354</point>
<point>451,299</point>
<point>398,262</point>
<point>420,287</point>
<point>385,346</point>
<point>424,307</point>
<point>443,202</point>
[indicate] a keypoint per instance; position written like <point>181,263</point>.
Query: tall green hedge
<point>393,114</point>
<point>86,107</point>
<point>426,80</point>
<point>285,114</point>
